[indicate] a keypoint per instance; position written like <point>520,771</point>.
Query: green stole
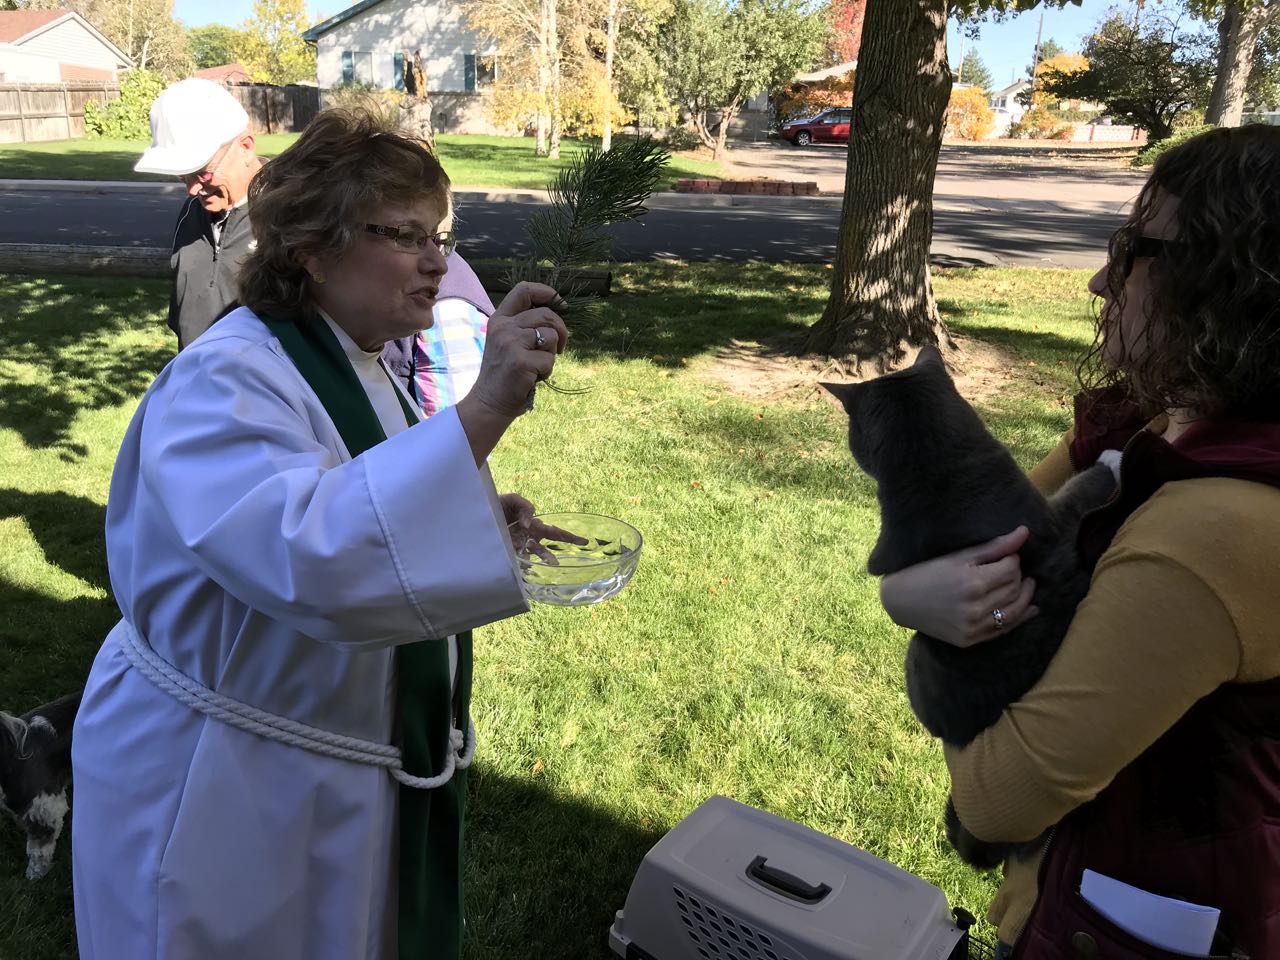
<point>430,919</point>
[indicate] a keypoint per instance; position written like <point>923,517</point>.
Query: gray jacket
<point>204,270</point>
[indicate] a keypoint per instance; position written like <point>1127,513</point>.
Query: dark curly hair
<point>1214,309</point>
<point>314,199</point>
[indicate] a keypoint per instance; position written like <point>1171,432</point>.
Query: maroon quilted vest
<point>1196,817</point>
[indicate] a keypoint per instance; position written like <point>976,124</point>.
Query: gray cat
<point>945,483</point>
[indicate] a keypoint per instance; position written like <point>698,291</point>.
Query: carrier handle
<point>787,884</point>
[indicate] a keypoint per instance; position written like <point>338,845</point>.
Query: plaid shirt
<point>446,356</point>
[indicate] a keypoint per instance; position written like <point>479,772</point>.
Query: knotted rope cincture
<point>271,726</point>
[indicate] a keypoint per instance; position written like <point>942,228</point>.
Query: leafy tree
<point>214,45</point>
<point>969,116</point>
<point>1147,74</point>
<point>714,56</point>
<point>881,299</point>
<point>974,71</point>
<point>273,50</point>
<point>1059,64</point>
<point>845,18</point>
<point>1049,49</point>
<point>144,29</point>
<point>1242,26</point>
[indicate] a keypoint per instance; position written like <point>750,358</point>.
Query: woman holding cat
<point>1153,739</point>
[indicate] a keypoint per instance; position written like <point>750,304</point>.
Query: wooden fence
<point>274,109</point>
<point>33,112</point>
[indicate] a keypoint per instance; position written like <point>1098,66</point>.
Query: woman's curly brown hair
<point>314,199</point>
<point>1214,309</point>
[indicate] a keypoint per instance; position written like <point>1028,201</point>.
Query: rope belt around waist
<point>262,723</point>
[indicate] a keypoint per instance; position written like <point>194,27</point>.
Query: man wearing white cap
<point>200,133</point>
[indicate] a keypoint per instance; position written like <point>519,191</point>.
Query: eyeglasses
<point>1128,248</point>
<point>413,239</point>
<point>211,168</point>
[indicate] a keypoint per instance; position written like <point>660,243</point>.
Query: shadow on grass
<point>48,642</point>
<point>62,333</point>
<point>669,315</point>
<point>545,874</point>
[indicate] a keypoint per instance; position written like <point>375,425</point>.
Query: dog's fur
<point>35,771</point>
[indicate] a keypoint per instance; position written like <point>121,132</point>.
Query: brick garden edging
<point>768,188</point>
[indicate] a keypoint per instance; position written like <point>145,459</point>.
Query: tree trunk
<point>610,42</point>
<point>546,39</point>
<point>881,295</point>
<point>1238,32</point>
<point>553,36</point>
<point>726,118</point>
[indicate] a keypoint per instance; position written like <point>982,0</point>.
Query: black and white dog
<point>35,771</point>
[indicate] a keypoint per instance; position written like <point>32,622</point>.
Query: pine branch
<point>594,191</point>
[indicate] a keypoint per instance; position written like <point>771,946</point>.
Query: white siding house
<point>364,44</point>
<point>50,46</point>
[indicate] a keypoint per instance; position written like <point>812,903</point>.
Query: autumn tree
<point>881,301</point>
<point>1058,66</point>
<point>715,57</point>
<point>273,50</point>
<point>845,19</point>
<point>144,29</point>
<point>214,45</point>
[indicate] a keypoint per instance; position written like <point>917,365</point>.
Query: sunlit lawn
<point>470,160</point>
<point>749,657</point>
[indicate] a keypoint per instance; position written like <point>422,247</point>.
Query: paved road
<point>1001,227</point>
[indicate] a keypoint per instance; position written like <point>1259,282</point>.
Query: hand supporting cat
<point>945,484</point>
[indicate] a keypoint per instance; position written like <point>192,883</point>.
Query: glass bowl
<point>571,574</point>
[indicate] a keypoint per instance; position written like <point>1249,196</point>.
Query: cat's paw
<point>1111,459</point>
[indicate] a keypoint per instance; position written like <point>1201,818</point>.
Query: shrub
<point>969,116</point>
<point>1148,154</point>
<point>682,138</point>
<point>808,99</point>
<point>1039,123</point>
<point>128,116</point>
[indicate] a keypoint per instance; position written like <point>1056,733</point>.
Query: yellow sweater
<point>1186,598</point>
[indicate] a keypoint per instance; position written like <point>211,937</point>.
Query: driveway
<point>968,180</point>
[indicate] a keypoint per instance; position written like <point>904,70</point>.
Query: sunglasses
<point>211,168</point>
<point>413,239</point>
<point>1129,248</point>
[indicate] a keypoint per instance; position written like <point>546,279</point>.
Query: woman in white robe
<point>262,571</point>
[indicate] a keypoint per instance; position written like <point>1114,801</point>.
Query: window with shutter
<point>348,67</point>
<point>469,72</point>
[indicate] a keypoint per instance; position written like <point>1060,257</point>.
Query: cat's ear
<point>930,354</point>
<point>841,391</point>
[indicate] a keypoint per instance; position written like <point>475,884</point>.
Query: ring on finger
<point>998,616</point>
<point>539,341</point>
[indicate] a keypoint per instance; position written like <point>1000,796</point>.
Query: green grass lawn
<point>471,161</point>
<point>749,657</point>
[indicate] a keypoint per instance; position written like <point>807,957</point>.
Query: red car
<point>830,126</point>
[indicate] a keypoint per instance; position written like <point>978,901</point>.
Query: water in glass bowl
<point>571,574</point>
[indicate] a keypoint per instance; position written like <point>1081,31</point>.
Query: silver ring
<point>538,339</point>
<point>998,616</point>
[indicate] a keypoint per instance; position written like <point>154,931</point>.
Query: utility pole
<point>1035,60</point>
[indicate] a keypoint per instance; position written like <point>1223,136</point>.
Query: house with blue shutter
<point>365,45</point>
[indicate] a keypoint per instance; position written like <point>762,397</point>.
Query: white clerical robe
<point>254,555</point>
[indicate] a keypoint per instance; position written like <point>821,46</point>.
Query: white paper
<point>1161,921</point>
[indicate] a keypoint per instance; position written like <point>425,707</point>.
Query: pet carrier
<point>731,882</point>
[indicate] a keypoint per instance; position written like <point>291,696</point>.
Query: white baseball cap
<point>190,122</point>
